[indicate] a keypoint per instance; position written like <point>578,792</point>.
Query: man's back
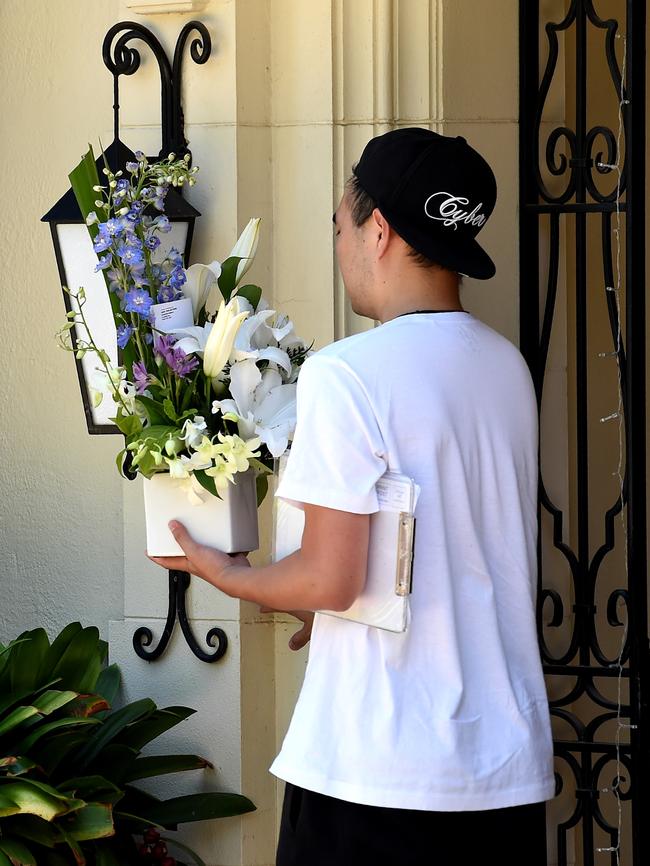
<point>453,714</point>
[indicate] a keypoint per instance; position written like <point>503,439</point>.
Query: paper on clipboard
<point>384,601</point>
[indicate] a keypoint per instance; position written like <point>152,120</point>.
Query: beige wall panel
<point>302,172</point>
<point>301,61</point>
<point>416,70</point>
<point>209,90</point>
<point>214,731</point>
<point>354,72</point>
<point>496,301</point>
<point>255,199</point>
<point>480,67</point>
<point>258,740</point>
<point>254,75</point>
<point>61,526</point>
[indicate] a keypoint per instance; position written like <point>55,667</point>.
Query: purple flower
<point>152,242</point>
<point>139,155</point>
<point>176,359</point>
<point>138,301</point>
<point>132,167</point>
<point>140,377</point>
<point>124,335</point>
<point>103,263</point>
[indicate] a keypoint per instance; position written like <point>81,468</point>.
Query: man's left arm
<point>327,572</point>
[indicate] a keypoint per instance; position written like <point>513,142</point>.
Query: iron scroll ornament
<point>121,59</point>
<point>179,582</point>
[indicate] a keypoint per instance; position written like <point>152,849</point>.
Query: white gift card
<point>174,314</point>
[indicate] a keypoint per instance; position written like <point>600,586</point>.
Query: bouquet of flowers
<point>205,387</point>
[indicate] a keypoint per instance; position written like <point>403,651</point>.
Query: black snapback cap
<point>436,191</point>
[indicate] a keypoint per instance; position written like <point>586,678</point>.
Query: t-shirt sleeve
<point>337,454</point>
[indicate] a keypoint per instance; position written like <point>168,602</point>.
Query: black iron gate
<point>582,203</point>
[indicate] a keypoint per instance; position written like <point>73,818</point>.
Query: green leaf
<point>93,821</point>
<point>159,765</point>
<point>169,410</point>
<point>130,425</point>
<point>59,646</point>
<point>16,717</point>
<point>262,486</point>
<point>16,765</point>
<point>27,660</point>
<point>26,744</point>
<point>114,725</point>
<point>140,733</point>
<point>228,278</point>
<point>80,663</point>
<point>251,293</point>
<point>85,706</point>
<point>35,798</point>
<point>184,848</point>
<point>154,409</point>
<point>18,853</point>
<point>108,683</point>
<point>52,700</point>
<point>4,860</point>
<point>207,482</point>
<point>74,847</point>
<point>91,789</point>
<point>33,829</point>
<point>198,807</point>
<point>114,762</point>
<point>82,179</point>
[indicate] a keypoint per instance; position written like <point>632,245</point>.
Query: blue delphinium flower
<point>102,241</point>
<point>162,224</point>
<point>130,254</point>
<point>124,335</point>
<point>113,227</point>
<point>166,294</point>
<point>132,167</point>
<point>138,301</point>
<point>152,242</point>
<point>177,278</point>
<point>103,263</point>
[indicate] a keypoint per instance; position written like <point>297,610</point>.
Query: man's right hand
<point>303,635</point>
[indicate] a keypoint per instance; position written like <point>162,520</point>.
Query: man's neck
<point>419,290</point>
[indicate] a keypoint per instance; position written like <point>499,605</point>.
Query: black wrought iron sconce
<point>76,259</point>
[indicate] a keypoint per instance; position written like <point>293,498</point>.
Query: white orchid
<point>222,337</point>
<point>237,451</point>
<point>194,431</point>
<point>261,404</point>
<point>246,247</point>
<point>221,473</point>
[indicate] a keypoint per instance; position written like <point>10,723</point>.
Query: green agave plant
<point>68,761</point>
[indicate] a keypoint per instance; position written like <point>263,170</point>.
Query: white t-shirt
<point>452,714</point>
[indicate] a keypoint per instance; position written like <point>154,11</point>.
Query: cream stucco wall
<point>275,119</point>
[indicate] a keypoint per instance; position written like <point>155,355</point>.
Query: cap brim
<point>468,257</point>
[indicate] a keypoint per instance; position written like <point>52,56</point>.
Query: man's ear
<point>381,231</point>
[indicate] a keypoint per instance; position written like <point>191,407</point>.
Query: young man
<point>431,746</point>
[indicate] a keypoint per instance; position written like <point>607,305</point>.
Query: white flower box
<point>229,524</point>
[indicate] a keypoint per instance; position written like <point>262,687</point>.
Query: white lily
<point>222,337</point>
<point>255,338</point>
<point>262,405</point>
<point>199,282</point>
<point>246,247</point>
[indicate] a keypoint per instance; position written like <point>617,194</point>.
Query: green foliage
<point>68,761</point>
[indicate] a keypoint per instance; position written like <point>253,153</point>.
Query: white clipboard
<point>384,601</point>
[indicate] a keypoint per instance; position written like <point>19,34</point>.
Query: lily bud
<point>219,344</point>
<point>246,247</point>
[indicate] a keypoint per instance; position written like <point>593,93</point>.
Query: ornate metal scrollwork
<point>579,172</point>
<point>179,582</point>
<point>121,59</point>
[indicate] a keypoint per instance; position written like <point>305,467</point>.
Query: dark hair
<point>361,208</point>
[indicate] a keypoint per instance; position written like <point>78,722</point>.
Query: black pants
<point>317,830</point>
